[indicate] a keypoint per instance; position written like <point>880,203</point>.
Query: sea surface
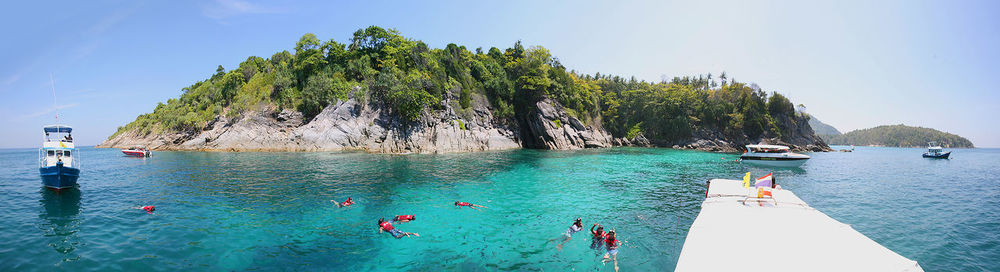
<point>273,211</point>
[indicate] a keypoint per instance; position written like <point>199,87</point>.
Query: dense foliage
<point>412,79</point>
<point>899,136</point>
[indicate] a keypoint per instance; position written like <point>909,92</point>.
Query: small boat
<point>137,151</point>
<point>766,228</point>
<point>772,155</point>
<point>934,151</point>
<point>59,160</point>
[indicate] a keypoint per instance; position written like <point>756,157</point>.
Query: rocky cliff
<point>350,125</point>
<point>371,127</point>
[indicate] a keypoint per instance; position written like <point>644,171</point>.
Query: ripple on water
<point>268,211</point>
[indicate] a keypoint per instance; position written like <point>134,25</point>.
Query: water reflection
<point>61,210</point>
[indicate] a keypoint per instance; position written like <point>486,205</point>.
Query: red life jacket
<point>464,204</point>
<point>601,234</point>
<point>405,217</point>
<point>149,209</point>
<point>386,226</point>
<point>347,203</point>
<point>611,243</point>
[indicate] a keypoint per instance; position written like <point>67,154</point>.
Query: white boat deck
<point>737,233</point>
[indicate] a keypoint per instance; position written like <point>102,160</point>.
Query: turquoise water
<point>272,211</point>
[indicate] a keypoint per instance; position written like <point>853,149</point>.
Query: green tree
<point>308,58</point>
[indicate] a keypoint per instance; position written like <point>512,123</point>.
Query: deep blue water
<point>272,211</point>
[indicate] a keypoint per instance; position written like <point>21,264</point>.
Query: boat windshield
<point>767,150</point>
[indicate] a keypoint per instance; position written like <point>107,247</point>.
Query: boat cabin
<point>933,147</point>
<point>767,149</point>
<point>57,147</point>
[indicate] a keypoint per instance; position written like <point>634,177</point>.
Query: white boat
<point>58,159</point>
<point>137,151</point>
<point>935,151</point>
<point>772,155</point>
<point>740,230</point>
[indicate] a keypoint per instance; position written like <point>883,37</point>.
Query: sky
<point>853,64</point>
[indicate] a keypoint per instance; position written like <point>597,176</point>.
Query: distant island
<point>822,128</point>
<point>383,92</point>
<point>898,136</point>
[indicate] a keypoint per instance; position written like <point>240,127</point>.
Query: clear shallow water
<point>272,211</point>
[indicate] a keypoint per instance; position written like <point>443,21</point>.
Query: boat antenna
<point>55,105</point>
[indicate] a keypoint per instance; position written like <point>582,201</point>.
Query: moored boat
<point>772,155</point>
<point>935,151</point>
<point>750,228</point>
<point>137,151</point>
<point>58,159</point>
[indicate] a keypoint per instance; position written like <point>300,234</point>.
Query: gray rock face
<point>350,125</point>
<point>551,128</point>
<point>798,134</point>
<point>345,125</point>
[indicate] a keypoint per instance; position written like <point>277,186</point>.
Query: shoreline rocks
<point>371,127</point>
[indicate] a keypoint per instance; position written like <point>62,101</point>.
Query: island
<point>899,136</point>
<point>822,129</point>
<point>385,93</point>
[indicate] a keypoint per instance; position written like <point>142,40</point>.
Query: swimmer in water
<point>149,209</point>
<point>470,205</point>
<point>612,244</point>
<point>599,236</point>
<point>346,203</point>
<point>404,218</point>
<point>387,226</point>
<point>577,226</point>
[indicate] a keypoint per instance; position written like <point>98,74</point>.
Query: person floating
<point>470,205</point>
<point>577,226</point>
<point>404,218</point>
<point>346,203</point>
<point>599,236</point>
<point>612,244</point>
<point>149,209</point>
<point>387,226</point>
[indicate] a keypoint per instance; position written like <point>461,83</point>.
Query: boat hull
<point>59,176</point>
<point>134,153</point>
<point>774,162</point>
<point>938,156</point>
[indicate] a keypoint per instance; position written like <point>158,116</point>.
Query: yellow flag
<point>746,180</point>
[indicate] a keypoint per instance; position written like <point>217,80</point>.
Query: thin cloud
<point>49,110</point>
<point>222,9</point>
<point>110,21</point>
<point>12,78</point>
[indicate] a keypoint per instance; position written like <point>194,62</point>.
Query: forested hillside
<point>379,65</point>
<point>899,136</point>
<point>822,128</point>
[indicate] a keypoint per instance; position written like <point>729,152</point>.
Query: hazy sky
<point>853,64</point>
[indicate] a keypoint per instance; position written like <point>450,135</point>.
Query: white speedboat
<point>137,151</point>
<point>772,155</point>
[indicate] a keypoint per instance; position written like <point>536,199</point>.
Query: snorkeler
<point>470,205</point>
<point>577,226</point>
<point>404,218</point>
<point>346,203</point>
<point>599,236</point>
<point>149,209</point>
<point>387,226</point>
<point>612,244</point>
